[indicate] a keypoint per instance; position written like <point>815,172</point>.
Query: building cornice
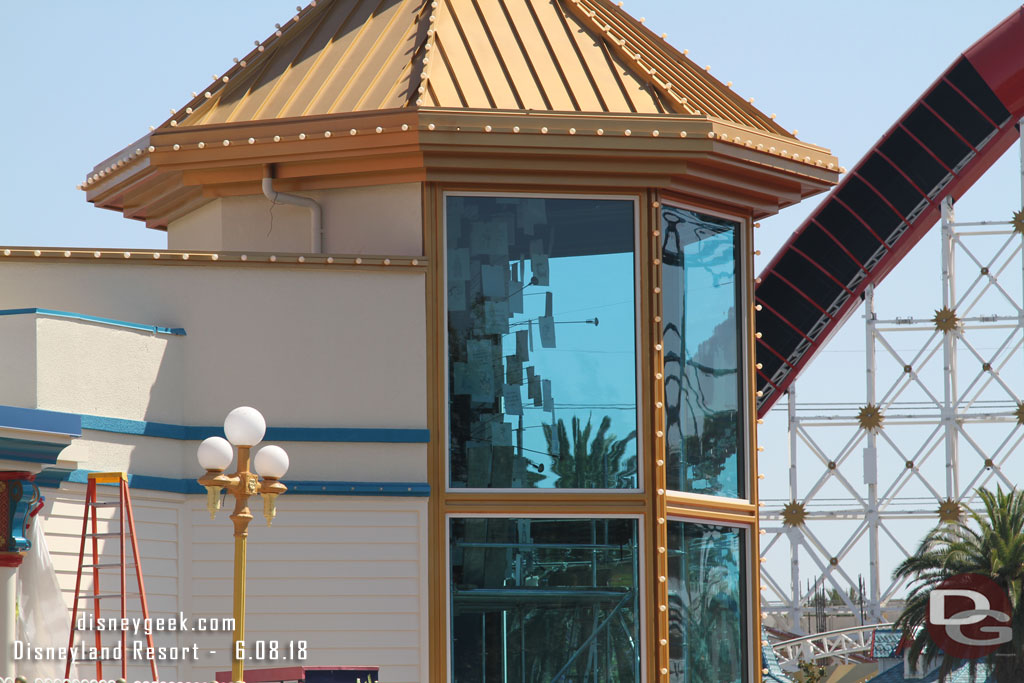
<point>180,169</point>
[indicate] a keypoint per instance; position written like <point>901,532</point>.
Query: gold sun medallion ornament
<point>870,417</point>
<point>794,514</point>
<point>1019,413</point>
<point>950,512</point>
<point>945,319</point>
<point>1018,222</point>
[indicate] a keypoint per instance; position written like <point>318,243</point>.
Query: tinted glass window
<point>541,343</point>
<point>544,600</point>
<point>707,604</point>
<point>702,355</point>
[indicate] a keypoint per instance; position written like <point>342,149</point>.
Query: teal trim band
<point>163,430</point>
<point>175,331</point>
<point>53,478</point>
<point>30,451</point>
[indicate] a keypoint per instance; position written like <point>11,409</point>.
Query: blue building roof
<point>960,675</point>
<point>886,643</point>
<point>770,661</point>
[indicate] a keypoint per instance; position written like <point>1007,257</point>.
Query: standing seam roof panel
<point>550,55</point>
<point>399,79</point>
<point>261,84</point>
<point>479,42</point>
<point>524,81</point>
<point>348,76</point>
<point>286,82</point>
<point>355,93</point>
<point>441,85</point>
<point>565,59</point>
<point>463,68</point>
<point>310,60</point>
<point>538,53</point>
<point>595,59</point>
<point>708,100</point>
<point>327,85</point>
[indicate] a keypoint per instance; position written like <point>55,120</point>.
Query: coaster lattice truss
<point>942,417</point>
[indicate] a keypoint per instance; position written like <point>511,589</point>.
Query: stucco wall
<point>95,369</point>
<point>308,347</point>
<point>383,219</point>
<point>311,347</point>
<point>18,356</point>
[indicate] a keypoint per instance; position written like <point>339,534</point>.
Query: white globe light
<point>245,426</point>
<point>215,454</point>
<point>271,461</point>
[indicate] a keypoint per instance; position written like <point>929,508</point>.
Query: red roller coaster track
<point>944,142</point>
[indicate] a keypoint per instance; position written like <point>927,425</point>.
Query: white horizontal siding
<point>156,524</point>
<point>345,575</point>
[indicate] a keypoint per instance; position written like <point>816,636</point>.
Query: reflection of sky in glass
<point>706,604</point>
<point>592,368</point>
<point>541,343</point>
<point>701,354</point>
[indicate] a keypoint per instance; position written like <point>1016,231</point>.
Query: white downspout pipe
<point>316,236</point>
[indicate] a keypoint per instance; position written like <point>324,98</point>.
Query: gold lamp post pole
<point>244,428</point>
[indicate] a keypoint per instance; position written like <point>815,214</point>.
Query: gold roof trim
<point>175,170</point>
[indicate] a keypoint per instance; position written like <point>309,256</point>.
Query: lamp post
<point>244,428</point>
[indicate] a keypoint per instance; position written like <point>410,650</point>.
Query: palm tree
<point>583,463</point>
<point>990,544</point>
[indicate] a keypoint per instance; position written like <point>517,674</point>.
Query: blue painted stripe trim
<point>34,420</point>
<point>176,331</point>
<point>163,430</point>
<point>53,479</point>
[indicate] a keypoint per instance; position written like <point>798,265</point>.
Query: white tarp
<point>43,618</point>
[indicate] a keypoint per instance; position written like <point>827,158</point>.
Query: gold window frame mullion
<point>741,512</point>
<point>437,653</point>
<point>659,477</point>
<point>754,475</point>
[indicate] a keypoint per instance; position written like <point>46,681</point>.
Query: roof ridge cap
<point>671,54</point>
<point>433,20</point>
<point>619,46</point>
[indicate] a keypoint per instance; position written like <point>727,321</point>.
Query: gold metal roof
<point>362,92</point>
<point>341,56</point>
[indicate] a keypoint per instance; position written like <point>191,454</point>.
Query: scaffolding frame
<point>970,392</point>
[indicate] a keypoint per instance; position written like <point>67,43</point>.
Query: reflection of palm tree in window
<point>585,463</point>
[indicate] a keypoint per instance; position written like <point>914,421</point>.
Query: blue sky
<point>85,79</point>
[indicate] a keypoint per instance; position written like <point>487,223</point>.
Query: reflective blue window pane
<point>541,343</point>
<point>541,600</point>
<point>703,385</point>
<point>707,604</point>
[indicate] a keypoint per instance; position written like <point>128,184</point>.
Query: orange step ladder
<point>125,522</point>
